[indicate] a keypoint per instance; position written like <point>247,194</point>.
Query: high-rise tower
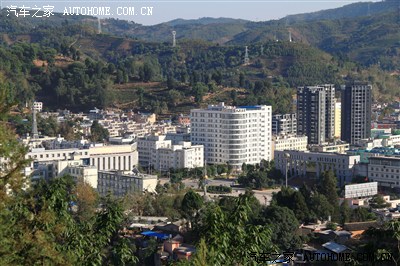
<point>356,112</point>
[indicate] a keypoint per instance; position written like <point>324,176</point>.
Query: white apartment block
<point>160,153</point>
<point>86,173</point>
<point>38,106</point>
<point>385,171</point>
<point>338,147</point>
<point>183,155</point>
<point>305,163</point>
<point>233,135</point>
<point>289,142</point>
<point>114,157</point>
<point>119,184</point>
<point>390,140</point>
<point>147,147</point>
<point>104,157</point>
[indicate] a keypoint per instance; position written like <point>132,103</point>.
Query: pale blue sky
<point>165,10</point>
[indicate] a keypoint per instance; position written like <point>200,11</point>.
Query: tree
<point>191,204</point>
<point>98,132</point>
<point>378,202</point>
<point>328,188</point>
<point>284,225</point>
<point>345,212</point>
<point>230,236</point>
<point>319,207</point>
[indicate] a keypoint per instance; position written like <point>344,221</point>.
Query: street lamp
<point>287,157</point>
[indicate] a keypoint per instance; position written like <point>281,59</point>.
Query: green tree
<point>378,202</point>
<point>230,236</point>
<point>98,132</point>
<point>284,226</point>
<point>191,204</point>
<point>345,212</point>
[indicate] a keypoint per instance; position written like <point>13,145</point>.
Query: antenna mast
<point>173,38</point>
<point>246,56</point>
<point>98,26</point>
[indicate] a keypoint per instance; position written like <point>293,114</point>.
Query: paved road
<point>264,196</point>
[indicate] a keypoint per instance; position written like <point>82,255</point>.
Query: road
<point>264,196</point>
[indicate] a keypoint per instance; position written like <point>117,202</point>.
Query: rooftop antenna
<point>173,38</point>
<point>98,26</point>
<point>246,56</point>
<point>35,132</point>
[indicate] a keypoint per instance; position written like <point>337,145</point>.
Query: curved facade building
<point>233,135</point>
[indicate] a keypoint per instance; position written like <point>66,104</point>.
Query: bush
<point>219,189</point>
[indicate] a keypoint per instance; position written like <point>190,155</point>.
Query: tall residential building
<point>315,113</point>
<point>338,119</point>
<point>233,135</point>
<point>356,112</point>
<point>283,124</point>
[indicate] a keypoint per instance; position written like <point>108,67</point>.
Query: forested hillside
<point>68,65</point>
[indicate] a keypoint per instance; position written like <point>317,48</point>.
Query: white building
<point>289,142</point>
<point>86,173</point>
<point>148,145</point>
<point>38,106</point>
<point>183,155</point>
<point>385,171</point>
<point>104,157</point>
<point>119,184</point>
<point>338,147</point>
<point>160,153</point>
<point>390,140</point>
<point>305,163</point>
<point>233,135</point>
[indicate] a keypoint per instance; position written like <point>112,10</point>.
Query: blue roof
<point>334,247</point>
<point>155,234</point>
<point>254,107</point>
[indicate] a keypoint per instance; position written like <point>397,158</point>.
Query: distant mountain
<point>203,21</point>
<point>347,11</point>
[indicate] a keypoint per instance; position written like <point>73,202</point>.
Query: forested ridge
<point>68,65</point>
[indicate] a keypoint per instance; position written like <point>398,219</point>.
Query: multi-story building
<point>289,142</point>
<point>233,135</point>
<point>147,147</point>
<point>162,154</point>
<point>338,147</point>
<point>305,163</point>
<point>356,112</point>
<point>385,171</point>
<point>119,184</point>
<point>315,113</point>
<point>284,124</point>
<point>183,155</point>
<point>104,157</point>
<point>338,119</point>
<point>38,106</point>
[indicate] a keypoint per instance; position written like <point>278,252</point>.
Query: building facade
<point>183,155</point>
<point>356,112</point>
<point>103,157</point>
<point>305,163</point>
<point>233,135</point>
<point>283,124</point>
<point>119,184</point>
<point>289,142</point>
<point>385,171</point>
<point>338,119</point>
<point>315,113</point>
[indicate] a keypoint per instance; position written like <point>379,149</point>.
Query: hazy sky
<point>165,10</point>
